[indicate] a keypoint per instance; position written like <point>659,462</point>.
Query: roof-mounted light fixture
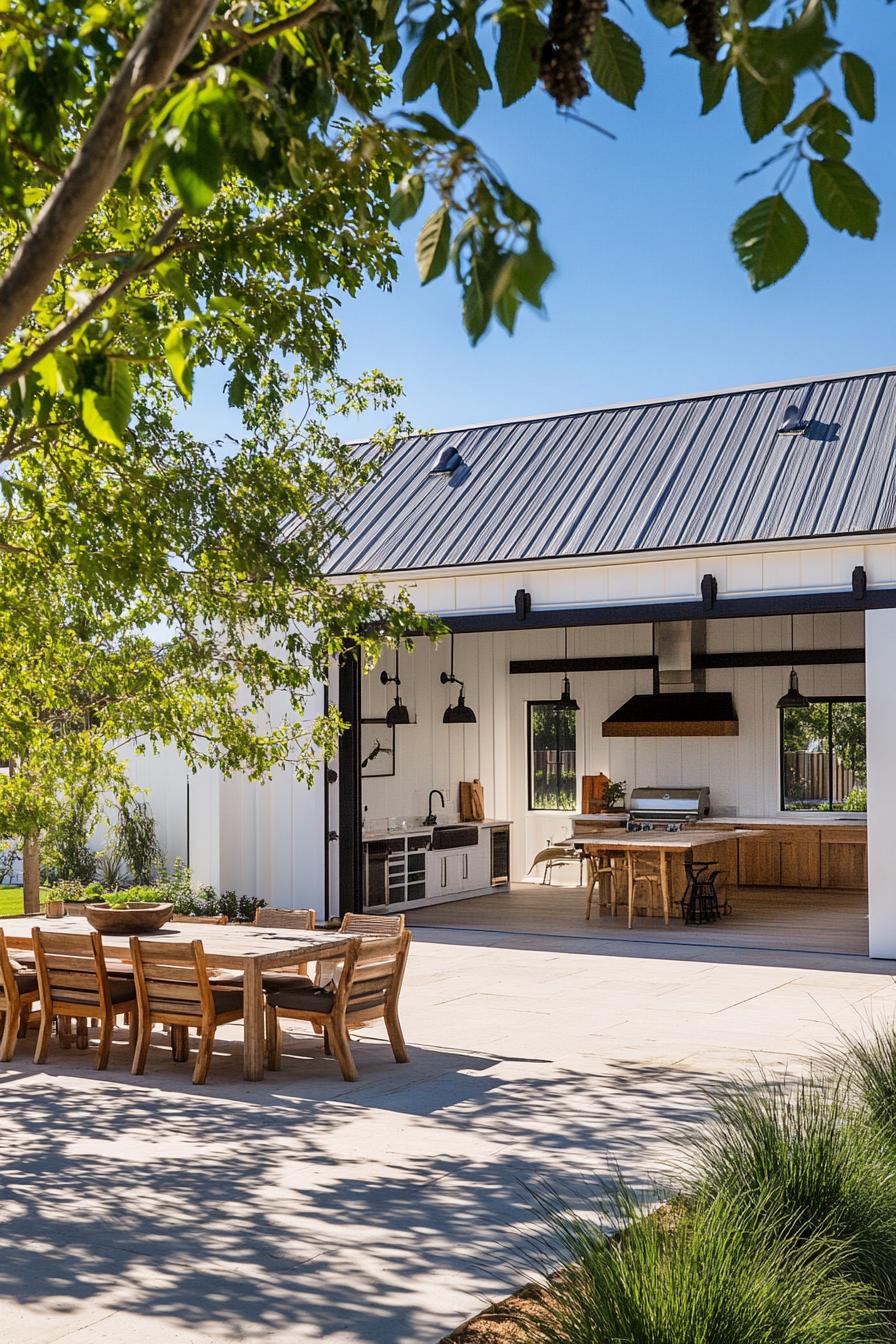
<point>449,462</point>
<point>461,712</point>
<point>793,422</point>
<point>793,697</point>
<point>397,712</point>
<point>566,699</point>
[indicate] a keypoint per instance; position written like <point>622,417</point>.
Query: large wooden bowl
<point>138,917</point>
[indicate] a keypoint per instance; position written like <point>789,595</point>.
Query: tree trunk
<point>31,873</point>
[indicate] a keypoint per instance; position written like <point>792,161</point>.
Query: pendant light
<point>566,699</point>
<point>461,712</point>
<point>397,713</point>
<point>792,697</point>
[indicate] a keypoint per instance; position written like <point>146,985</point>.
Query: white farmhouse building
<point>674,560</point>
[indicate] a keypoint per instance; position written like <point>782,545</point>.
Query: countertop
<point>791,819</point>
<point>488,824</point>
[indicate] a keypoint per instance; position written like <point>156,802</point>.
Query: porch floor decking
<point>764,919</point>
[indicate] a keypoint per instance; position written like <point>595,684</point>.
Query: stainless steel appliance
<point>670,806</point>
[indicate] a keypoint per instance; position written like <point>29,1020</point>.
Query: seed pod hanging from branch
<point>701,19</point>
<point>570,28</point>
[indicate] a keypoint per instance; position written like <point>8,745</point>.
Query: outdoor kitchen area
<point>681,780</point>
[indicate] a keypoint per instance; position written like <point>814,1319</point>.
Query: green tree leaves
<point>843,198</point>
<point>106,414</point>
<point>433,243</point>
<point>458,86</point>
<point>616,63</point>
<point>280,203</point>
<point>769,240</point>
<point>858,82</point>
<point>765,100</point>
<point>516,65</point>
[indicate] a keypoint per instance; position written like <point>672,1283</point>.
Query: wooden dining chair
<point>200,919</point>
<point>174,990</point>
<point>373,926</point>
<point>18,995</point>
<point>74,982</point>
<point>384,926</point>
<point>369,988</point>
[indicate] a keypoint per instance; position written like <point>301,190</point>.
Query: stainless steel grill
<point>669,805</point>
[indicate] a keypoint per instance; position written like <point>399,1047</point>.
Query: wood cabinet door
<point>844,866</point>
<point>800,863</point>
<point>759,863</point>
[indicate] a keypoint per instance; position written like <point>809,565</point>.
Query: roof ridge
<point>649,401</point>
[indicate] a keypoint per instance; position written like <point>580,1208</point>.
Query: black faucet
<point>431,819</point>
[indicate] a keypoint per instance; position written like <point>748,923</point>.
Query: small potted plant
<point>54,906</point>
<point>614,795</point>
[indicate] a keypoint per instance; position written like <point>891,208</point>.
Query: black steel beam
<point>725,608</point>
<point>781,658</point>
<point>529,666</point>
<point>647,661</point>
<point>350,893</point>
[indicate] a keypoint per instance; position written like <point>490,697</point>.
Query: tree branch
<point>149,259</point>
<point>169,32</point>
<point>253,37</point>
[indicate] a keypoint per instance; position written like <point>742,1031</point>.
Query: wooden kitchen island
<point>673,849</point>
<point>749,851</point>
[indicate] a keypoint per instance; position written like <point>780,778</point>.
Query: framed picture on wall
<point>377,749</point>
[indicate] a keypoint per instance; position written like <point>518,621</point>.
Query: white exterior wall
<point>880,634</point>
<point>264,840</point>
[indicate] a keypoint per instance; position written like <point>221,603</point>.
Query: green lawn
<point>11,901</point>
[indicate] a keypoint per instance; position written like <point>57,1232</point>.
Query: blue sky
<point>647,299</point>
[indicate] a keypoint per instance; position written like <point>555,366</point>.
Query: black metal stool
<point>700,903</point>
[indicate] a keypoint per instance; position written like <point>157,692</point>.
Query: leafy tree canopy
<point>188,181</point>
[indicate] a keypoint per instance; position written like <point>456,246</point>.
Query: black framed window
<point>823,756</point>
<point>552,756</point>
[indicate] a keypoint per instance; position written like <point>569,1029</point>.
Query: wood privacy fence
<point>807,777</point>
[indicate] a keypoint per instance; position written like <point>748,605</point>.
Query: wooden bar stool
<point>647,870</point>
<point>597,870</point>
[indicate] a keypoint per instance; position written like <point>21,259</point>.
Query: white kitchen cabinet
<point>452,871</point>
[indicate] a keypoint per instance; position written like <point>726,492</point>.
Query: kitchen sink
<point>454,837</point>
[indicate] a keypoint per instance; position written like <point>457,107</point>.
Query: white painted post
<point>880,693</point>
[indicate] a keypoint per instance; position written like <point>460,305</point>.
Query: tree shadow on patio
<point>249,1212</point>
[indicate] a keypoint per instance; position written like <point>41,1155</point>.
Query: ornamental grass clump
<point>708,1274</point>
<point>811,1161</point>
<point>866,1067</point>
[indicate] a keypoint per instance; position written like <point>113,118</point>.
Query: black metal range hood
<point>680,706</point>
<point>675,714</point>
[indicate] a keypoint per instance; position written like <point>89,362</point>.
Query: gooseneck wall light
<point>397,712</point>
<point>461,712</point>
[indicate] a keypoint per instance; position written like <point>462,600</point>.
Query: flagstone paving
<point>386,1211</point>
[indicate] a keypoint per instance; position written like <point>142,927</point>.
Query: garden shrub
<point>866,1067</point>
<point>136,841</point>
<point>712,1274</point>
<point>803,1149</point>
<point>67,852</point>
<point>177,887</point>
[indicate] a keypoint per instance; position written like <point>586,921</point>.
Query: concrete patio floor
<point>386,1211</point>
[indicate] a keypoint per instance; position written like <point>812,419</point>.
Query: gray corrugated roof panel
<point>698,471</point>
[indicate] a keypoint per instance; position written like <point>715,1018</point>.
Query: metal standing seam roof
<point>704,470</point>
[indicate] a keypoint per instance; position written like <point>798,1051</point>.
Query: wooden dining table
<point>228,947</point>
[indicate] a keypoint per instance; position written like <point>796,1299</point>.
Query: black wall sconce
<point>397,712</point>
<point>461,712</point>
